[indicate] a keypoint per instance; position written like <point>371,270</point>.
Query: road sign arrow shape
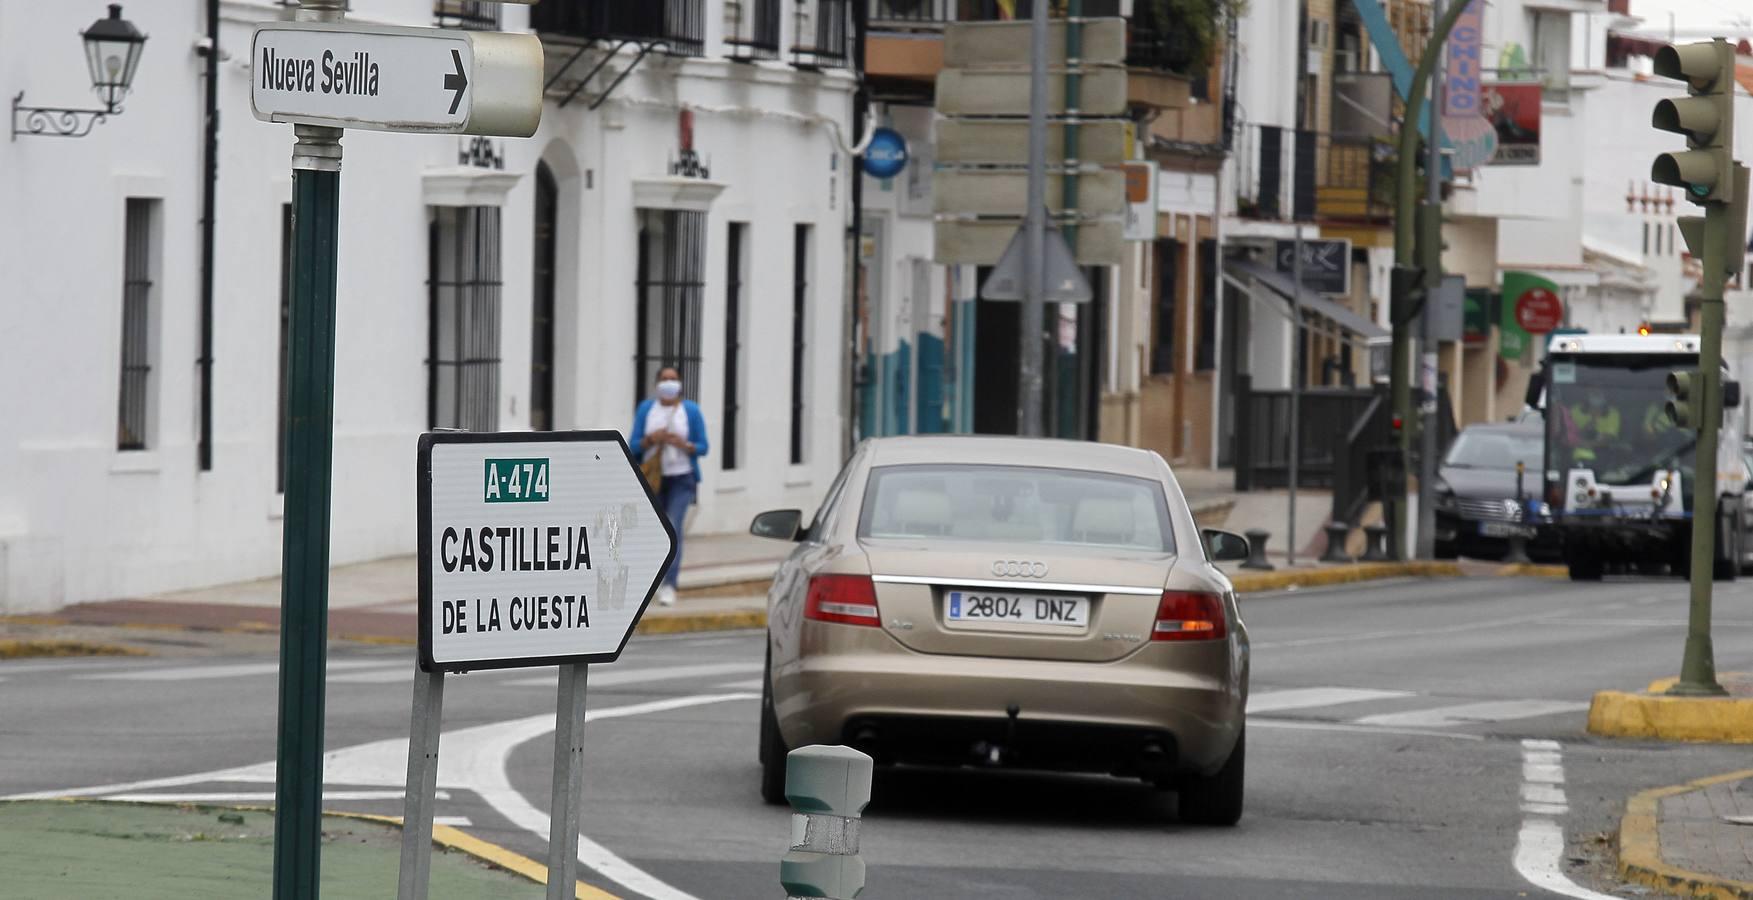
<point>456,81</point>
<point>1065,282</point>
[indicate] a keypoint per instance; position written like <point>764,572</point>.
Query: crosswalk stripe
<point>237,670</point>
<point>1308,698</point>
<point>1473,713</point>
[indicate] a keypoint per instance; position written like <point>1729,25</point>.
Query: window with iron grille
<point>139,263</point>
<point>285,347</point>
<point>823,36</point>
<point>800,294</point>
<point>671,280</point>
<point>751,29</point>
<point>737,266</point>
<point>469,15</point>
<point>462,363</point>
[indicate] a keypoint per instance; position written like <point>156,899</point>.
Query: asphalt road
<point>1416,739</point>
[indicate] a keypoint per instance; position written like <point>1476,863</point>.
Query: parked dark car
<point>1477,509</point>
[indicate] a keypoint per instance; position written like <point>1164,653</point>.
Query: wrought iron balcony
<point>679,26</point>
<point>824,34</point>
<point>751,29</point>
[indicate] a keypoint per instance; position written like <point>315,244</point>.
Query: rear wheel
<point>1216,799</point>
<point>1446,550</point>
<point>1584,569</point>
<point>772,743</point>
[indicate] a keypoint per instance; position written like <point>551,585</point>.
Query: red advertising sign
<point>1539,311</point>
<point>1514,110</point>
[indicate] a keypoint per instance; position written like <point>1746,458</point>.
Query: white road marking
<point>1306,725</point>
<point>1473,713</point>
<point>1540,844</point>
<point>1306,698</point>
<point>25,668</point>
<point>614,678</point>
<point>376,676</point>
<point>236,670</point>
<point>255,796</point>
<point>471,759</point>
<point>452,821</point>
<point>753,684</point>
<point>1542,774</point>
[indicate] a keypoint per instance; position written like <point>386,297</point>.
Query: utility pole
<point>1430,252</point>
<point>1029,382</point>
<point>1296,385</point>
<point>1407,292</point>
<point>1711,178</point>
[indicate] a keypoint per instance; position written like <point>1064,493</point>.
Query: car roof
<point>959,449</point>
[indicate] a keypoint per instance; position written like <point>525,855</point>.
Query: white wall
<point>80,520</point>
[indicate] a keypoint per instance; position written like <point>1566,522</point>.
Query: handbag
<point>652,466</point>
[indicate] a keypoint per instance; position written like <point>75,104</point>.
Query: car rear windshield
<point>1016,504</point>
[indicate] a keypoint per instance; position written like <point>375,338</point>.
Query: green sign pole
<point>304,584</point>
<point>1698,664</point>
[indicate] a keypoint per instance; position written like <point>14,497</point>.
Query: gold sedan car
<point>990,601</point>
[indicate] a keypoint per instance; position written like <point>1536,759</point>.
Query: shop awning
<point>1319,304</point>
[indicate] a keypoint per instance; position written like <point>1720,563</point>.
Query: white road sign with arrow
<point>535,548</point>
<point>383,78</point>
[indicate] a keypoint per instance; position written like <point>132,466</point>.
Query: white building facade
<point>693,215</point>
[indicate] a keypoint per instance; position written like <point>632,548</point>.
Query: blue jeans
<point>675,495</point>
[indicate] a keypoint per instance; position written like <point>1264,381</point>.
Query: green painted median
<point>52,849</point>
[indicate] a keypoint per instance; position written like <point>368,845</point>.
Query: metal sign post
<point>322,76</point>
<point>535,549</point>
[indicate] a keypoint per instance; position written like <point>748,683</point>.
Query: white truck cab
<point>1618,471</point>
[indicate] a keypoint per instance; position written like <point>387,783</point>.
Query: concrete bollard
<point>1257,549</point>
<point>1337,532</point>
<point>828,787</point>
<point>1375,545</point>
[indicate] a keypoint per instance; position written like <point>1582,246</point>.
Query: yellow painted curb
<point>1533,570</point>
<point>25,648</point>
<point>681,623</point>
<point>1246,582</point>
<point>1721,720</point>
<point>511,861</point>
<point>1640,847</point>
<point>442,835</point>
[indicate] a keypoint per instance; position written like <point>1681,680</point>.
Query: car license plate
<point>1505,529</point>
<point>1022,609</point>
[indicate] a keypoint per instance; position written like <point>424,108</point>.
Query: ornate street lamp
<point>112,53</point>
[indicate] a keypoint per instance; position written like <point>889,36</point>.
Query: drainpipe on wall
<point>209,184</point>
<point>854,233</point>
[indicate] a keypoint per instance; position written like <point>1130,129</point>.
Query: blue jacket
<point>696,431</point>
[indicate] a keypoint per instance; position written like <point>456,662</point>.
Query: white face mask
<point>669,390</point>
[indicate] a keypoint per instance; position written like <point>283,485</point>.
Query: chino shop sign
<point>1539,311</point>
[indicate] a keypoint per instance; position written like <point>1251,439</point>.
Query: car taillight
<point>847,599</point>
<point>1188,616</point>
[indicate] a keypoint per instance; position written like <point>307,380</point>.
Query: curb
<point>1640,847</point>
<point>444,836</point>
<point>1246,582</point>
<point>1717,720</point>
<point>1533,570</point>
<point>27,648</point>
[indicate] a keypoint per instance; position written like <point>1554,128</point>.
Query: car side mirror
<point>1536,385</point>
<point>778,524</point>
<point>1731,393</point>
<point>1224,546</point>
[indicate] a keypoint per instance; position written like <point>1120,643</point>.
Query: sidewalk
<point>1693,839</point>
<point>723,585</point>
<point>159,852</point>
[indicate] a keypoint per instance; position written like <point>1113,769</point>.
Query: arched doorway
<point>547,216</point>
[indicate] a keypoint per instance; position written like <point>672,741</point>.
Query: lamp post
<point>112,53</point>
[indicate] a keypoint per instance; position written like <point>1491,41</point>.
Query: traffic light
<point>1705,169</point>
<point>1682,407</point>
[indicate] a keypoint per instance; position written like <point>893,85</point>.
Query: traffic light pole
<point>1029,378</point>
<point>1401,308</point>
<point>1430,252</point>
<point>1698,665</point>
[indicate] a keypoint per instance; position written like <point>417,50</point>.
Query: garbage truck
<point>1618,469</point>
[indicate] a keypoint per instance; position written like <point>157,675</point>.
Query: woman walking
<point>670,433</point>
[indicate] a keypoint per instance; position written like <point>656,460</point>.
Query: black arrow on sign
<point>456,81</point>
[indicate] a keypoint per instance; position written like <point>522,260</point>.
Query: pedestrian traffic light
<point>1683,399</point>
<point>1706,116</point>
